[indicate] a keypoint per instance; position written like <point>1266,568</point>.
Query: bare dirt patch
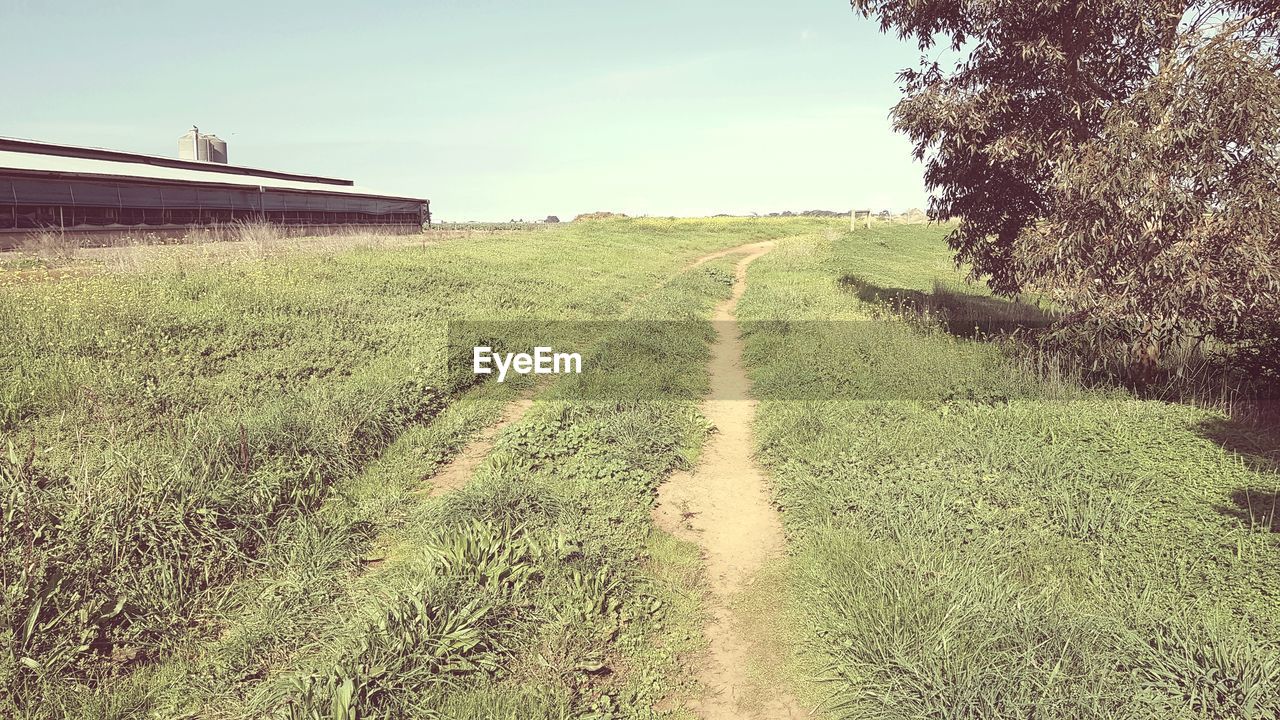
<point>459,470</point>
<point>724,506</point>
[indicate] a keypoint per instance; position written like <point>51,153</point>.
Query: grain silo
<point>188,145</point>
<point>217,149</point>
<point>203,147</point>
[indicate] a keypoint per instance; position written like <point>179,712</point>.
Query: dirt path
<point>459,470</point>
<point>723,505</point>
<point>762,247</point>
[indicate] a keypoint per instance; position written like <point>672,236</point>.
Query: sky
<point>492,110</point>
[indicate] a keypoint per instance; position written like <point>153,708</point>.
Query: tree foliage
<point>1124,154</point>
<point>1167,224</point>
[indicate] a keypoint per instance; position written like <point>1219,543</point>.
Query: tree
<point>1081,147</point>
<point>1167,224</point>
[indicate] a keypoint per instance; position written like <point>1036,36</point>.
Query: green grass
<point>972,541</point>
<point>547,555</point>
<point>208,478</point>
<point>206,454</point>
<point>550,544</point>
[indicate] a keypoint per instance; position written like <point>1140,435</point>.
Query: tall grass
<point>185,445</point>
<point>51,243</point>
<point>971,540</point>
<point>1201,373</point>
<point>1189,371</point>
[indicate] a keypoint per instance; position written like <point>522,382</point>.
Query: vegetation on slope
<point>211,510</point>
<point>972,541</point>
<point>182,443</point>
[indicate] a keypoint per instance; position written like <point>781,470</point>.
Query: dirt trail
<point>459,470</point>
<point>723,505</point>
<point>762,247</point>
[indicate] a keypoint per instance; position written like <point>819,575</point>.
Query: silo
<point>215,149</point>
<point>190,147</point>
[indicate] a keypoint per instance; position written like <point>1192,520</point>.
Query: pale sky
<point>493,110</point>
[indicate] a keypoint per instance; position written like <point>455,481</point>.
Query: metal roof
<point>66,160</point>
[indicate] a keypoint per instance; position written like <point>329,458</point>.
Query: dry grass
<point>264,238</point>
<point>51,244</point>
<point>55,251</point>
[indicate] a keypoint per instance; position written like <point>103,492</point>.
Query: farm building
<point>62,187</point>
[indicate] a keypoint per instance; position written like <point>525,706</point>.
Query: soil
<point>724,506</point>
<point>459,470</point>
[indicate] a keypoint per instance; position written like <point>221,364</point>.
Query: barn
<point>89,190</point>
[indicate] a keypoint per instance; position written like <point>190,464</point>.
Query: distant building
<point>44,185</point>
<point>197,146</point>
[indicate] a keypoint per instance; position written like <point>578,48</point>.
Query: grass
<point>550,546</point>
<point>211,473</point>
<point>182,440</point>
<point>52,254</point>
<point>50,244</point>
<point>972,539</point>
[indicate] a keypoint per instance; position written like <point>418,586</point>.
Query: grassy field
<point>212,469</point>
<point>971,540</point>
<point>199,460</point>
